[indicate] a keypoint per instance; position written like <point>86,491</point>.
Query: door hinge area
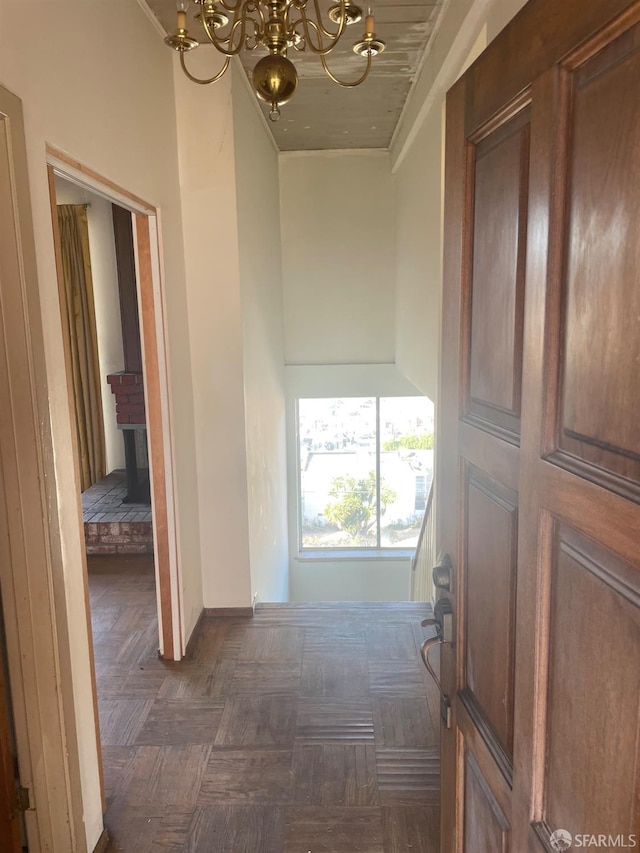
<point>23,803</point>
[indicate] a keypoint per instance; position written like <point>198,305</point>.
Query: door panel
<point>600,376</point>
<point>500,167</point>
<point>594,628</point>
<point>489,608</point>
<point>485,827</point>
<point>539,432</point>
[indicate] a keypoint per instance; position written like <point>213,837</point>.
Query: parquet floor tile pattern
<point>304,729</point>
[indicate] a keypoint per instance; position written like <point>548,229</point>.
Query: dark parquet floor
<point>305,729</point>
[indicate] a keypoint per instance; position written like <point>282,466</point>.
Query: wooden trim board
<point>32,569</point>
<point>243,612</point>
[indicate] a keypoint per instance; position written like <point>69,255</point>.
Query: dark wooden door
<point>539,434</point>
<point>10,838</point>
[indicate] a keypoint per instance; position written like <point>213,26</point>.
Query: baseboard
<point>238,612</point>
<point>103,843</point>
<point>229,611</point>
<point>193,634</point>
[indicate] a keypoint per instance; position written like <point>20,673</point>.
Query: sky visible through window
<point>366,466</point>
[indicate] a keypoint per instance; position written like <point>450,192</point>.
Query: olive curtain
<point>83,340</point>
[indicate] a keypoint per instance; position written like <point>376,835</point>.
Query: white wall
<point>419,258</point>
<point>373,579</point>
<point>418,165</point>
<point>107,99</point>
<point>338,257</point>
<point>210,221</point>
<point>257,188</point>
<point>104,273</point>
<point>230,212</point>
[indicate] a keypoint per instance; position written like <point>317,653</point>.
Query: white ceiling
<point>322,115</point>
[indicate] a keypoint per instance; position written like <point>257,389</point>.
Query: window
<point>365,469</point>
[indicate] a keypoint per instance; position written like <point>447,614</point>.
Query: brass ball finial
<point>275,79</point>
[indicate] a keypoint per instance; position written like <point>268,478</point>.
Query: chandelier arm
<point>213,38</point>
<point>319,50</point>
<point>251,8</point>
<point>242,23</point>
<point>213,79</point>
<point>232,8</point>
<point>248,7</point>
<point>261,15</point>
<point>347,85</point>
<point>293,29</point>
<point>343,21</point>
<point>256,34</point>
<point>293,26</point>
<point>239,22</point>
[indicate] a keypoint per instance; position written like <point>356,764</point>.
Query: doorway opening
<point>123,458</point>
<point>101,302</point>
<point>137,254</point>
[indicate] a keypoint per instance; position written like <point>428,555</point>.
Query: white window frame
<point>345,552</point>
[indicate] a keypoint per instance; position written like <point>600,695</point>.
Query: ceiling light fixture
<point>276,25</point>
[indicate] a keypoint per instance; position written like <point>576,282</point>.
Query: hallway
<point>305,728</point>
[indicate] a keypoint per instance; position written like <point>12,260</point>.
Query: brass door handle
<point>442,620</point>
<point>443,623</point>
<point>425,648</point>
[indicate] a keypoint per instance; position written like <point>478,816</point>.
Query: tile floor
<point>104,502</point>
<point>305,729</point>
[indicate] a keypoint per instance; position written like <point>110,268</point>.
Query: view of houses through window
<point>366,466</point>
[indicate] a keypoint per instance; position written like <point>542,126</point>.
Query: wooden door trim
<point>31,558</point>
<point>82,174</point>
<point>66,337</point>
<point>10,829</point>
<point>153,335</point>
<point>159,430</point>
<point>449,539</point>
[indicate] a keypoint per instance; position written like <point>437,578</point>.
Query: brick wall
<point>129,394</point>
<point>119,537</point>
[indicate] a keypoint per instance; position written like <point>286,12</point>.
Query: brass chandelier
<point>276,25</point>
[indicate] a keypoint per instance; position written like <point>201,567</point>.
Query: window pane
<point>406,467</point>
<point>337,451</point>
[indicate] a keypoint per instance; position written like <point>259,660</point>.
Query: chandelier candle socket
<point>275,25</point>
